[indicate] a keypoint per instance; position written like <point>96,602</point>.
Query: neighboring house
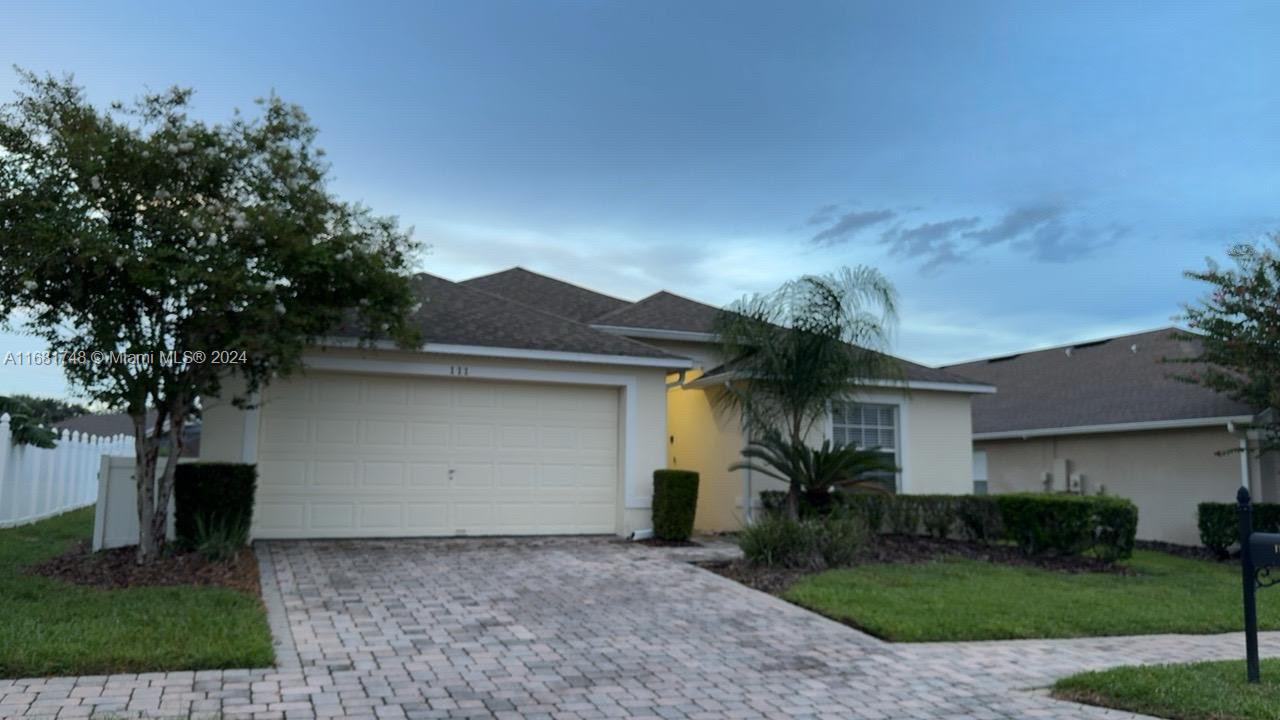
<point>536,406</point>
<point>108,424</point>
<point>1109,414</point>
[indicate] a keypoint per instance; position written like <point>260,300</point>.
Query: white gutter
<point>969,388</point>
<point>657,334</point>
<point>518,353</point>
<point>1115,427</point>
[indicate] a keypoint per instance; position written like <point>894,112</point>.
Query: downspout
<point>1244,460</point>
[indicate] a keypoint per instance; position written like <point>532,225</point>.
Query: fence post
<point>6,444</point>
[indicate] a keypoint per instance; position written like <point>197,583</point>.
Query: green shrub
<point>903,515</point>
<point>1220,530</point>
<point>773,501</point>
<point>809,544</point>
<point>979,518</point>
<point>869,508</point>
<point>1115,527</point>
<point>938,514</point>
<point>1044,524</point>
<point>675,501</point>
<point>218,496</point>
<point>221,539</point>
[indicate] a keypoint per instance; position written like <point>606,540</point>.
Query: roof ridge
<point>1063,346</point>
<point>646,298</point>
<point>544,276</point>
<point>548,313</point>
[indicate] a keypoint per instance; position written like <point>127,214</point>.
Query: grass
<point>50,627</point>
<point>1197,691</point>
<point>971,600</point>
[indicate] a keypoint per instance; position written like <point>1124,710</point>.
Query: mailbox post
<point>1244,510</point>
<point>1259,554</point>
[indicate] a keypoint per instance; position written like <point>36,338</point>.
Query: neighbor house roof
<point>1114,381</point>
<point>547,293</point>
<point>663,311</point>
<point>104,424</point>
<point>460,314</point>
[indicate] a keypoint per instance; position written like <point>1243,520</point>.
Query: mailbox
<point>1264,548</point>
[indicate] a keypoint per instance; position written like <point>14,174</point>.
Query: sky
<point>1026,173</point>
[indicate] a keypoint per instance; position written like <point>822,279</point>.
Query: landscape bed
<point>99,615</point>
<point>920,589</point>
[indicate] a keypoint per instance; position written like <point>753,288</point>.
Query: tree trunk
<point>164,489</point>
<point>144,471</point>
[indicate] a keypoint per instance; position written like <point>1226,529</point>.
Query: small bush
<point>903,515</point>
<point>810,544</point>
<point>1044,524</point>
<point>869,508</point>
<point>979,518</point>
<point>1115,527</point>
<point>675,501</point>
<point>220,540</point>
<point>217,495</point>
<point>938,514</point>
<point>1220,529</point>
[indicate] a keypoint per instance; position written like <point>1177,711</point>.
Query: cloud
<point>823,215</point>
<point>933,241</point>
<point>1058,242</point>
<point>849,224</point>
<point>1016,223</point>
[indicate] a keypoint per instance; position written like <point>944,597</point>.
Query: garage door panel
<point>345,456</point>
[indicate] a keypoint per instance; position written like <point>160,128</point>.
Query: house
<point>111,424</point>
<point>1109,415</point>
<point>539,407</point>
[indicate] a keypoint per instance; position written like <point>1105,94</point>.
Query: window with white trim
<point>864,425</point>
<point>868,426</point>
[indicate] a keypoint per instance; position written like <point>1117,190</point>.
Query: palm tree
<point>793,350</point>
<point>816,471</point>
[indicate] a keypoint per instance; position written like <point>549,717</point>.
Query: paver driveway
<point>580,628</point>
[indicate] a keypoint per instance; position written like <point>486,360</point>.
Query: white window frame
<point>902,480</point>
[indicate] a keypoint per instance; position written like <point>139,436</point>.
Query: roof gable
<point>546,293</point>
<point>456,314</point>
<point>1115,380</point>
<point>663,311</point>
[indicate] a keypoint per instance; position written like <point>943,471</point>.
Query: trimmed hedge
<point>675,501</point>
<point>1039,523</point>
<point>212,497</point>
<point>1220,529</point>
<point>1045,524</point>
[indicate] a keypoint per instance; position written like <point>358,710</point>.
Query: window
<point>979,472</point>
<point>864,425</point>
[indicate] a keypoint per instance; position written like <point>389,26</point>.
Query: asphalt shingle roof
<point>547,293</point>
<point>663,311</point>
<point>459,314</point>
<point>1117,380</point>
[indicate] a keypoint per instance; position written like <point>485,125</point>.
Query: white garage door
<point>344,455</point>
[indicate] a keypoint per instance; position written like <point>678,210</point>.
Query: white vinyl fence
<point>38,482</point>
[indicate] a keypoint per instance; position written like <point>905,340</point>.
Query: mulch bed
<point>1191,552</point>
<point>117,568</point>
<point>903,549</point>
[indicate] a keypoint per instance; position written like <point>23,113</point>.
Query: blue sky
<point>1027,173</point>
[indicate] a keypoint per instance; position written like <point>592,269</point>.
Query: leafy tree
<point>24,424</point>
<point>1237,326</point>
<point>793,350</point>
<point>134,231</point>
<point>47,410</point>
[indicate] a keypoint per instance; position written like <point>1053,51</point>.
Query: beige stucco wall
<point>1166,473</point>
<point>224,425</point>
<point>936,455</point>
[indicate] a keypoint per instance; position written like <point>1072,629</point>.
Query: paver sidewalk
<point>581,628</point>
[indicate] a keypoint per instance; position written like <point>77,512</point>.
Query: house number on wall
<point>459,370</point>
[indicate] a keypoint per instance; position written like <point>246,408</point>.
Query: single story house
<point>539,407</point>
<point>1110,415</point>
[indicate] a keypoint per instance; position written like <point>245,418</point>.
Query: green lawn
<point>970,600</point>
<point>1199,691</point>
<point>49,627</point>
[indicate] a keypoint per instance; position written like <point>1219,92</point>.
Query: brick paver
<point>580,629</point>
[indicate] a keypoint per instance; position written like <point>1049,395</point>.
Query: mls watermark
<point>165,358</point>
